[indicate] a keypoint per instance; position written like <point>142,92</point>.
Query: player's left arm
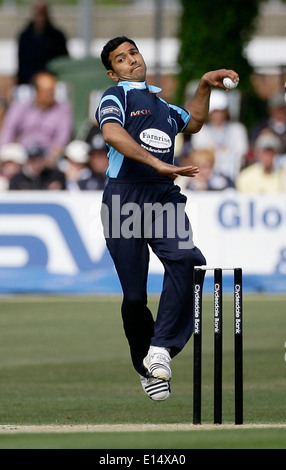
<point>199,106</point>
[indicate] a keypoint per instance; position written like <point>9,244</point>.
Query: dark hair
<point>110,46</point>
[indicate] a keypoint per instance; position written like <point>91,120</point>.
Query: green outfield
<point>64,363</point>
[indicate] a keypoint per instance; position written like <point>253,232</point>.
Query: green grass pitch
<point>64,361</point>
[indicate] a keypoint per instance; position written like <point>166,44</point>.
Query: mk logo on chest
<point>141,112</point>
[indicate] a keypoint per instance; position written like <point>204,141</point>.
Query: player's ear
<point>113,75</point>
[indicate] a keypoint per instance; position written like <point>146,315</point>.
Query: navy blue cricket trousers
<point>130,229</point>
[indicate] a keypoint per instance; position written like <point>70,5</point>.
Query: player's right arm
<point>199,106</point>
<point>117,137</point>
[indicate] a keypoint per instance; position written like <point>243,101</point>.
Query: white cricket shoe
<point>157,362</point>
<point>156,389</point>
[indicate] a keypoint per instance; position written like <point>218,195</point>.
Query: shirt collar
<point>140,86</point>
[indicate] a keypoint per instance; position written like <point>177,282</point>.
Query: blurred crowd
<point>38,150</point>
<point>230,156</point>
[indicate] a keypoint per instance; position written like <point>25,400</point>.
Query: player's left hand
<point>189,171</point>
<point>173,171</point>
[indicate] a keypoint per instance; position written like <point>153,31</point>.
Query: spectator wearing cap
<point>226,138</point>
<point>35,175</point>
<point>263,176</point>
<point>76,164</point>
<point>275,122</point>
<point>12,159</point>
<point>97,165</point>
<point>41,121</point>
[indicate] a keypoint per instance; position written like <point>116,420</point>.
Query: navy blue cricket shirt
<point>151,121</point>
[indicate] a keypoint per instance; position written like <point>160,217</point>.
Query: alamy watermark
<point>152,220</point>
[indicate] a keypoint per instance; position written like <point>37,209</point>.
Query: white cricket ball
<point>228,83</point>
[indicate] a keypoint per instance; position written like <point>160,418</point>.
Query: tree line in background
<point>213,35</point>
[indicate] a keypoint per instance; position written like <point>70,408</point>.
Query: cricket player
<point>143,208</point>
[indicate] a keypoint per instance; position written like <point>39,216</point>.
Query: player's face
<point>127,64</point>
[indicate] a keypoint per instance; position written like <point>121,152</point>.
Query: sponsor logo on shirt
<point>141,112</point>
<point>138,85</point>
<point>110,110</point>
<point>156,138</point>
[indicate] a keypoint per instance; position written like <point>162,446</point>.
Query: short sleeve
<point>111,107</point>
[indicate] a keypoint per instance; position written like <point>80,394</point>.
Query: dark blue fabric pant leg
<point>131,259</point>
<point>174,321</point>
<point>176,251</point>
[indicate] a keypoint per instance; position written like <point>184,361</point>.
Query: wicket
<point>199,273</point>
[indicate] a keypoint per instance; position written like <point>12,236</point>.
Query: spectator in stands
<point>97,165</point>
<point>228,140</point>
<point>38,43</point>
<point>275,122</point>
<point>207,179</point>
<point>12,159</point>
<point>36,175</point>
<point>3,110</point>
<point>76,164</point>
<point>263,177</point>
<point>40,121</point>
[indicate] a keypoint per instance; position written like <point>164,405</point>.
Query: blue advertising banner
<point>52,242</point>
